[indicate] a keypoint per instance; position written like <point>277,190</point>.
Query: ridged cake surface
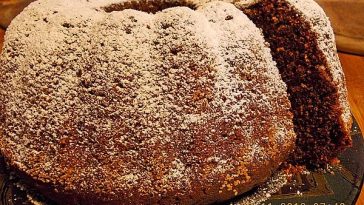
<point>105,104</point>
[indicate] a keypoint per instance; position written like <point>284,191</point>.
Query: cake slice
<point>303,45</point>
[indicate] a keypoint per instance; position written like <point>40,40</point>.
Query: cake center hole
<point>148,5</point>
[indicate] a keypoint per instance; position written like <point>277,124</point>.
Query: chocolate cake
<point>130,107</point>
<point>167,101</point>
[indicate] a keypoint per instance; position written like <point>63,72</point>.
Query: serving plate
<point>340,186</point>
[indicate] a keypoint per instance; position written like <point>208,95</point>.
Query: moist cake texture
<point>302,43</point>
<point>104,104</point>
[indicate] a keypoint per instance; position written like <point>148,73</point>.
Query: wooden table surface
<point>354,72</point>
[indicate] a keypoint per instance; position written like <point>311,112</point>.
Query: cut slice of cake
<point>303,45</point>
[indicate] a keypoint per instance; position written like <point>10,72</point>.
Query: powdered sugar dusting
<point>244,3</point>
<point>97,102</point>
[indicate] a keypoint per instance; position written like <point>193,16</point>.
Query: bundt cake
<point>167,101</point>
<point>184,106</point>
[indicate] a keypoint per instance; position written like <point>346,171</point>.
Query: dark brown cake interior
<point>314,97</point>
